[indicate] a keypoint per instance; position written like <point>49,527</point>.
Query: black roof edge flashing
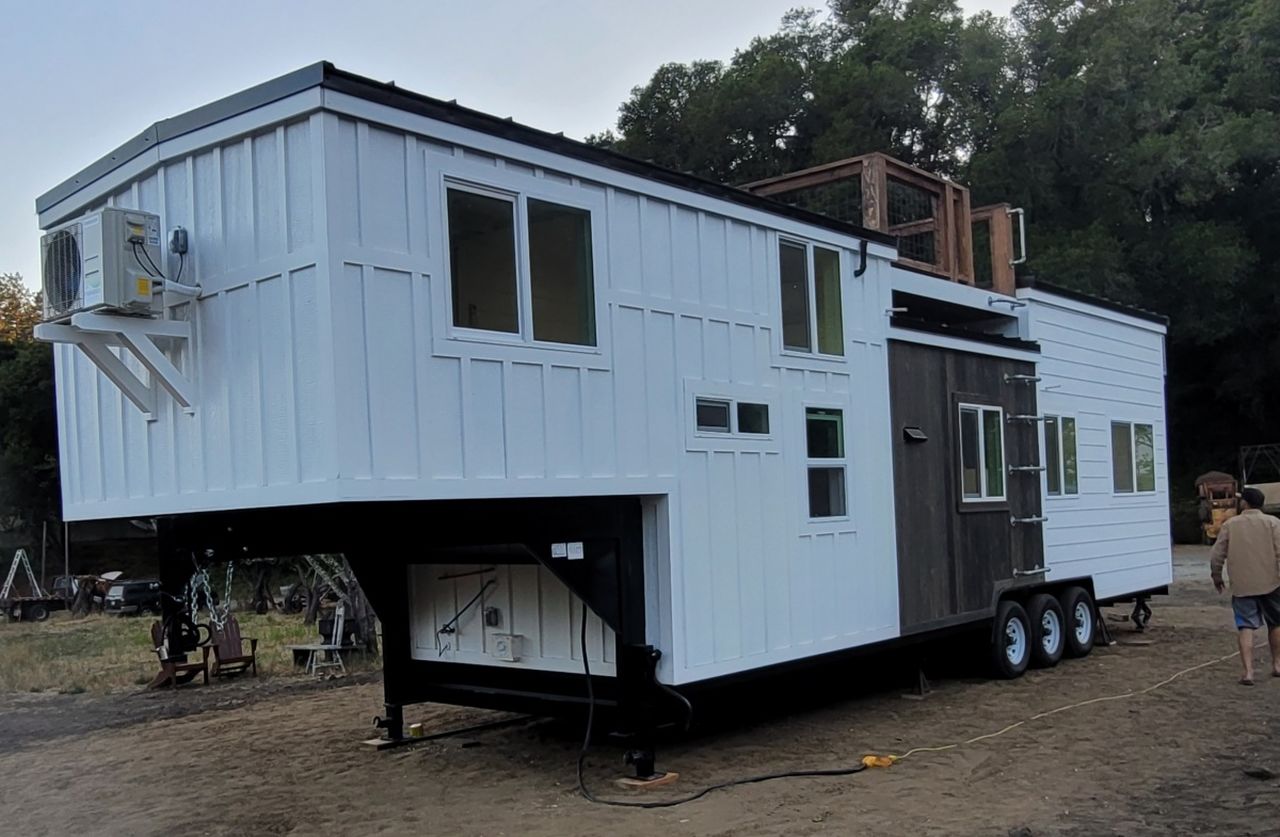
<point>326,75</point>
<point>1038,284</point>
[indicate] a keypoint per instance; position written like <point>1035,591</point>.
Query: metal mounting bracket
<point>1023,521</point>
<point>98,334</point>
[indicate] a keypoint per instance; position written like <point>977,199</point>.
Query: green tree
<point>1140,135</point>
<point>29,487</point>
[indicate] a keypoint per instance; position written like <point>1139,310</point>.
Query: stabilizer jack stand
<point>639,677</point>
<point>393,723</point>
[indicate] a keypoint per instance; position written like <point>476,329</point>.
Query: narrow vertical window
<point>993,452</point>
<point>1061,462</point>
<point>826,292</point>
<point>1070,458</point>
<point>1122,457</point>
<point>482,261</point>
<point>1052,457</point>
<point>981,453</point>
<point>560,273</point>
<point>794,265</point>
<point>1144,456</point>
<point>824,432</point>
<point>970,473</point>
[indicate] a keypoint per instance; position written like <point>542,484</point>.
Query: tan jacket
<point>1249,544</point>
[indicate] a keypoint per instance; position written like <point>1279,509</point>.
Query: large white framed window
<point>827,466</point>
<point>1061,457</point>
<point>981,434</point>
<point>1133,458</point>
<point>812,314</point>
<point>520,266</point>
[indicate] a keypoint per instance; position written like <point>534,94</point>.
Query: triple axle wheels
<point>1043,632</point>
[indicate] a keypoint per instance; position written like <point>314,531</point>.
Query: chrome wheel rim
<point>1050,632</point>
<point>1015,641</point>
<point>1083,623</point>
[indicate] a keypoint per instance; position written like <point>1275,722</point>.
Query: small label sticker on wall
<point>559,550</point>
<point>575,551</point>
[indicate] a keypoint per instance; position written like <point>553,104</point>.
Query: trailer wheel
<point>1078,609</point>
<point>1047,629</point>
<point>35,612</point>
<point>1011,643</point>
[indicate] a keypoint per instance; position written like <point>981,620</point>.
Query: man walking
<point>1249,546</point>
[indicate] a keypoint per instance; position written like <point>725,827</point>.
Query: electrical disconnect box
<point>108,260</point>
<point>506,647</point>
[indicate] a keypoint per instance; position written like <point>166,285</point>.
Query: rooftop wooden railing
<point>930,215</point>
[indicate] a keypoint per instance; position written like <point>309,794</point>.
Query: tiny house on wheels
<point>563,409</point>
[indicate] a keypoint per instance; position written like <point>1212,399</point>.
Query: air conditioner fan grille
<point>62,270</point>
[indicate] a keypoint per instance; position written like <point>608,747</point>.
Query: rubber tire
<point>1036,607</point>
<point>1070,599</point>
<point>1000,662</point>
<point>35,612</point>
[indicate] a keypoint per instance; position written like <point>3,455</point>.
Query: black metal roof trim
<point>325,74</point>
<point>898,321</point>
<point>1035,283</point>
<point>185,123</point>
<point>406,100</point>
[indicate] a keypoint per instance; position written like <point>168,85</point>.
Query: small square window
<point>712,416</point>
<point>826,492</point>
<point>825,431</point>
<point>753,418</point>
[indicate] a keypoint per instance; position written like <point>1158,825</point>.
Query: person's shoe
<point>1246,681</point>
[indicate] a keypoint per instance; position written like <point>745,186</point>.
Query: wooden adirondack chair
<point>175,672</point>
<point>228,650</point>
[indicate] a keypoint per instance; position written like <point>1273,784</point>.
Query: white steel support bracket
<point>96,334</point>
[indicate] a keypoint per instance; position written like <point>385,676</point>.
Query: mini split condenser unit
<point>106,261</point>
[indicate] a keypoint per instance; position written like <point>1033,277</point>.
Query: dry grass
<point>108,653</point>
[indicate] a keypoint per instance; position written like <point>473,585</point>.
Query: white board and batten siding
<point>327,370</point>
<point>1101,366</point>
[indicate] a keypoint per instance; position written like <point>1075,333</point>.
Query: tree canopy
<point>1140,136</point>
<point>29,492</point>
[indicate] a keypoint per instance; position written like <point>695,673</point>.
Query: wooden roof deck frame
<point>950,221</point>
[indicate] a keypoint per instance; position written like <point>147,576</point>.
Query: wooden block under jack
<point>655,781</point>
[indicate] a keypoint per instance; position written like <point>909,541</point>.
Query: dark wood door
<point>954,554</point>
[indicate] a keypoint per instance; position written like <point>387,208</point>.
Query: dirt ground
<point>1196,756</point>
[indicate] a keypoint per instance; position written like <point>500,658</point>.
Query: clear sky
<point>82,77</point>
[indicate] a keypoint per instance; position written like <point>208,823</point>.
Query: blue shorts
<point>1253,612</point>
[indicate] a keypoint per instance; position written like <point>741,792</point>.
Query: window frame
<point>840,463</point>
<point>708,430</point>
<point>1063,493</point>
<point>811,291</point>
<point>1133,425</point>
<point>444,172</point>
<point>733,431</point>
<point>984,500</point>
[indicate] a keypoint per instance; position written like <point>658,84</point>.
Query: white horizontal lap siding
<point>1100,367</point>
<point>527,600</point>
<point>262,419</point>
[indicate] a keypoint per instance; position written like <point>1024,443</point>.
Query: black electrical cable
<point>140,255</point>
<point>449,627</point>
<point>671,803</point>
<point>182,257</point>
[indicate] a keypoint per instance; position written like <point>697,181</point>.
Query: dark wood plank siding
<point>952,556</point>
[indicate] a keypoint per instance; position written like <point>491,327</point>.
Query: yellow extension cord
<point>889,760</point>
